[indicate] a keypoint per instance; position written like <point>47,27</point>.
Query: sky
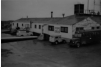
<point>16,9</point>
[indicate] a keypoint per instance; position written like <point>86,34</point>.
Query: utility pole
<point>94,5</point>
<point>100,7</point>
<point>88,6</point>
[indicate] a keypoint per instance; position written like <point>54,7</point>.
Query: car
<point>56,39</point>
<point>24,33</point>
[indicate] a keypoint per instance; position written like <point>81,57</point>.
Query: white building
<point>67,26</point>
<point>21,23</point>
<point>40,25</point>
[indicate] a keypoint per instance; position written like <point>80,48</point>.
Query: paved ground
<point>37,53</point>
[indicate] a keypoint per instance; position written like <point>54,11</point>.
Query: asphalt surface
<point>35,53</point>
<point>7,37</point>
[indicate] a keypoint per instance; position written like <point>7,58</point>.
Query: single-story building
<point>67,26</point>
<point>35,24</point>
<point>21,23</point>
<point>40,25</point>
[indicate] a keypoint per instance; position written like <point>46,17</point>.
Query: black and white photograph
<point>50,33</point>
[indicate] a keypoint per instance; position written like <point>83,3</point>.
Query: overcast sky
<point>15,9</point>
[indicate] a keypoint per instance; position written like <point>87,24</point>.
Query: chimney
<point>63,15</point>
<point>27,16</point>
<point>51,14</point>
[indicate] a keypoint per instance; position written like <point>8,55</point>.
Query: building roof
<point>97,19</point>
<point>24,20</point>
<point>44,20</point>
<point>73,19</point>
<point>38,20</point>
<point>69,20</point>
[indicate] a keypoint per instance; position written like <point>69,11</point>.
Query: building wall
<point>69,34</point>
<point>57,31</point>
<point>14,25</point>
<point>45,29</point>
<point>37,30</point>
<point>87,24</point>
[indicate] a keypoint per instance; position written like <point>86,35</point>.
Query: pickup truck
<point>56,39</point>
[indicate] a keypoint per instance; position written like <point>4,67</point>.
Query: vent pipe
<point>51,14</point>
<point>27,16</point>
<point>88,6</point>
<point>63,15</point>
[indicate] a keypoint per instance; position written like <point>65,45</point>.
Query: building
<point>69,25</point>
<point>35,24</point>
<point>66,27</point>
<point>22,23</point>
<point>79,9</point>
<point>40,25</point>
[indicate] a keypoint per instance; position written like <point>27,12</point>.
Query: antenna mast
<point>88,6</point>
<point>100,7</point>
<point>94,5</point>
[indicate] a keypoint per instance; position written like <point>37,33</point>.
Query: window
<point>13,23</point>
<point>79,28</point>
<point>39,26</point>
<point>51,28</point>
<point>31,24</point>
<point>93,28</point>
<point>64,29</point>
<point>98,27</point>
<point>17,24</point>
<point>35,26</point>
<point>22,24</point>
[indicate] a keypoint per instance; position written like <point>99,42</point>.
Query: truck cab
<point>75,42</point>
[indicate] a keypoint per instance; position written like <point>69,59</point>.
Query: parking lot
<point>35,53</point>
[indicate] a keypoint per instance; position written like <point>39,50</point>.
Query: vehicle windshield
<point>55,36</point>
<point>77,35</point>
<point>74,39</point>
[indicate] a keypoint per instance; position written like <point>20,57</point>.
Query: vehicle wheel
<point>78,45</point>
<point>70,46</point>
<point>56,42</point>
<point>52,43</point>
<point>64,41</point>
<point>31,35</point>
<point>21,35</point>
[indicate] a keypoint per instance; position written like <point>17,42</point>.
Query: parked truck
<point>56,39</point>
<point>86,37</point>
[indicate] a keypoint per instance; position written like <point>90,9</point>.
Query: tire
<point>64,41</point>
<point>70,46</point>
<point>31,34</point>
<point>77,45</point>
<point>56,42</point>
<point>21,35</point>
<point>52,43</point>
